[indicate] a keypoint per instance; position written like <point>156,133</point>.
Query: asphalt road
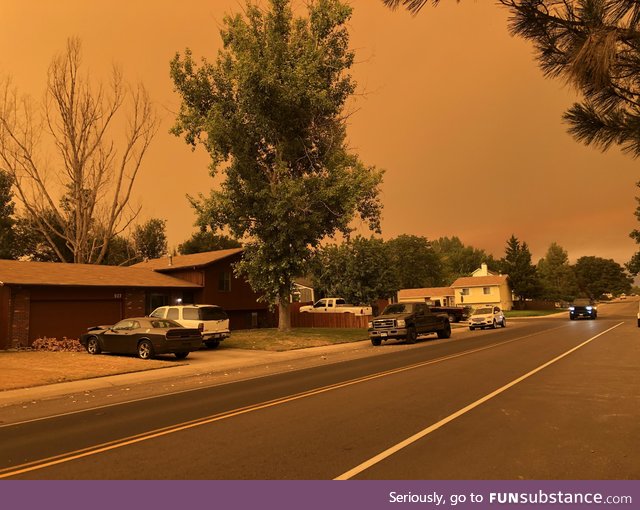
<point>540,399</point>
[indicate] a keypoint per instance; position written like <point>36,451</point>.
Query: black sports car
<point>144,336</point>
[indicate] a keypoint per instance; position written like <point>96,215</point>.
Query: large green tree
<point>271,113</point>
<point>459,260</point>
<point>415,262</point>
<point>150,239</point>
<point>516,263</point>
<point>360,270</point>
<point>205,240</point>
<point>556,276</point>
<point>597,276</point>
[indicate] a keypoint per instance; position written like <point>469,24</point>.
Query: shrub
<point>53,344</point>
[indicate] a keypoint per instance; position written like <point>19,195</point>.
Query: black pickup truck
<point>407,321</point>
<point>455,313</point>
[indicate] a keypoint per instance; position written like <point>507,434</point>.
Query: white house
<point>483,288</point>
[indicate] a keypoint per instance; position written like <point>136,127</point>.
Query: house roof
<point>192,260</point>
<point>479,281</point>
<point>427,291</point>
<point>14,272</point>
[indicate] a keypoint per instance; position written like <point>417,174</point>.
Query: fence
<point>328,320</point>
<point>534,304</point>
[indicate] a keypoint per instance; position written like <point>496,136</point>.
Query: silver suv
<point>211,320</point>
<point>487,317</point>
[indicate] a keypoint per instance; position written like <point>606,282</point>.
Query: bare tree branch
<point>84,202</point>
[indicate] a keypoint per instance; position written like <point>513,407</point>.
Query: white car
<point>211,320</point>
<point>487,317</point>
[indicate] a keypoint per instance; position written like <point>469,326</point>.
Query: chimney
<point>170,260</point>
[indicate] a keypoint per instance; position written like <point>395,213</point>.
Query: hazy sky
<point>453,107</point>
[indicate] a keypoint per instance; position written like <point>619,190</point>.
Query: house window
<point>486,290</point>
<point>224,283</point>
<point>464,292</point>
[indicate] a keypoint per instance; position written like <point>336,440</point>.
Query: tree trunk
<point>284,314</point>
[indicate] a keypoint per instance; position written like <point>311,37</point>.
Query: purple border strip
<point>317,495</point>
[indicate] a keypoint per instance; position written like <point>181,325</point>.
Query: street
<point>540,399</point>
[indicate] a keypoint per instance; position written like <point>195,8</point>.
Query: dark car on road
<point>583,308</point>
<point>407,321</point>
<point>143,336</point>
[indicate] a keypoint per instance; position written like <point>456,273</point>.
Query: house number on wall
<point>117,296</point>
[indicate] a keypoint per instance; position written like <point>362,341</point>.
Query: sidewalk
<point>209,367</point>
<point>204,368</point>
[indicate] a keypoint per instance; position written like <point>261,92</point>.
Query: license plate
<point>383,334</point>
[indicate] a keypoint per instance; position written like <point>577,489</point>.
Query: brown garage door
<point>57,319</point>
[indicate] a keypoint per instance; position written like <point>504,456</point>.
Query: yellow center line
<point>138,438</point>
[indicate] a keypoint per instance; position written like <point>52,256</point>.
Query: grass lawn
<point>270,339</point>
<point>530,313</point>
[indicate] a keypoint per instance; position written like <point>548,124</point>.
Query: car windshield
<point>124,324</point>
<point>582,302</point>
<point>399,308</point>
<point>483,311</point>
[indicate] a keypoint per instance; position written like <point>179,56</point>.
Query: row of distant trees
<point>360,269</point>
<point>364,269</point>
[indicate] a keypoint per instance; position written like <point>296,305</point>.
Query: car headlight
<point>589,308</point>
<point>370,325</point>
<point>401,323</point>
<point>572,308</point>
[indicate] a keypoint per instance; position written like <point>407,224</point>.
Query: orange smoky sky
<point>452,107</point>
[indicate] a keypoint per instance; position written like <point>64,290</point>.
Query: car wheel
<point>212,344</point>
<point>445,332</point>
<point>145,349</point>
<point>494,325</point>
<point>471,328</point>
<point>572,317</point>
<point>412,336</point>
<point>376,341</point>
<point>503,323</point>
<point>181,355</point>
<point>452,318</point>
<point>93,345</point>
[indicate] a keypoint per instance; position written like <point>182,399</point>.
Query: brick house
<point>56,300</point>
<point>217,284</point>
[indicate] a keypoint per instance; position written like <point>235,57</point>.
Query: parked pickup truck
<point>455,313</point>
<point>336,305</point>
<point>407,321</point>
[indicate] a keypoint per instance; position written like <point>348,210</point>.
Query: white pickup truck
<point>336,305</point>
